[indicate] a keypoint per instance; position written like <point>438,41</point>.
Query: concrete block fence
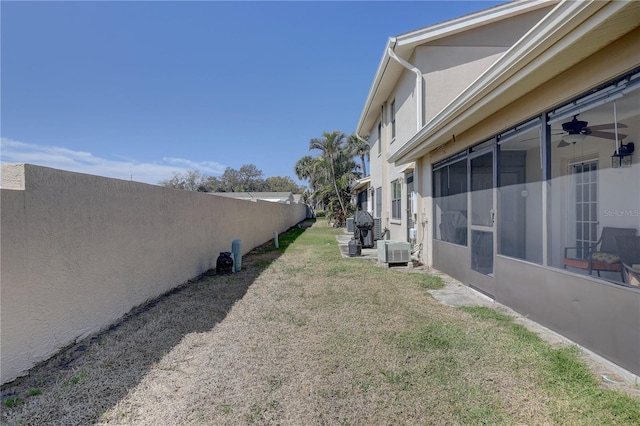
<point>79,251</point>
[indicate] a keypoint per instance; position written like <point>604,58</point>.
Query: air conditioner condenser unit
<point>394,251</point>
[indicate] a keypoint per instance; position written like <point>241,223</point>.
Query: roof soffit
<point>362,183</point>
<point>409,41</point>
<point>563,42</point>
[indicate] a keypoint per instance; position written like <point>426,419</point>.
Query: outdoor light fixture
<point>623,156</point>
<point>574,137</point>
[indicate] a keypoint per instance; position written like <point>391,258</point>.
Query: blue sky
<point>140,90</point>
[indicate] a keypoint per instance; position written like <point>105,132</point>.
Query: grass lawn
<point>302,336</point>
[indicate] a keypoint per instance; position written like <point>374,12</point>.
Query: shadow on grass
<point>87,379</point>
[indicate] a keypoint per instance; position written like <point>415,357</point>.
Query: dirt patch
<point>83,381</point>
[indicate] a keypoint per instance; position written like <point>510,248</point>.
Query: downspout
<point>361,140</point>
<point>418,73</point>
<point>419,125</point>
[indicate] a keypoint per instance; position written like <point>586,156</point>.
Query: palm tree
<point>360,148</point>
<point>331,145</point>
<point>322,188</point>
<point>304,169</point>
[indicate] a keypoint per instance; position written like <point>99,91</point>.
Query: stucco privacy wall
<point>79,251</point>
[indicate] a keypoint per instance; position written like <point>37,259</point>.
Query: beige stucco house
<point>419,74</point>
<point>502,146</point>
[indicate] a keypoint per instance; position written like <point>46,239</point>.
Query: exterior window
<point>393,119</point>
<point>378,202</point>
<point>450,202</point>
<point>410,201</point>
<point>396,200</point>
<point>519,221</point>
<point>379,138</point>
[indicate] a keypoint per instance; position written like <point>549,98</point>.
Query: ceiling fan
<point>579,127</point>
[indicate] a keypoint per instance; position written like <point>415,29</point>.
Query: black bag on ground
<point>224,264</point>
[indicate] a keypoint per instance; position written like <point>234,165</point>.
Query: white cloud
<point>85,162</point>
<point>204,166</point>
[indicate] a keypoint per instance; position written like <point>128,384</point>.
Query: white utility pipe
<point>418,73</point>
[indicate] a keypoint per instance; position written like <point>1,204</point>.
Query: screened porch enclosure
<point>555,191</point>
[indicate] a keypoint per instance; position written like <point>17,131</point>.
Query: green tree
<point>282,184</point>
<point>231,181</point>
<point>359,147</point>
<point>309,169</point>
<point>251,178</point>
<point>212,184</point>
<point>304,169</point>
<point>246,179</point>
<point>331,145</point>
<point>330,174</point>
<point>192,180</point>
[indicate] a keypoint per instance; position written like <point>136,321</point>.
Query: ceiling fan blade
<point>608,126</point>
<point>607,135</point>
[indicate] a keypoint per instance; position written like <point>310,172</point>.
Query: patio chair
<point>601,256</point>
<point>629,252</point>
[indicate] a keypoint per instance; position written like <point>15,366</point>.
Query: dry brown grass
<point>299,336</point>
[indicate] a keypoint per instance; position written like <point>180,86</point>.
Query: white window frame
<point>379,138</point>
<point>392,119</point>
<point>396,200</point>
